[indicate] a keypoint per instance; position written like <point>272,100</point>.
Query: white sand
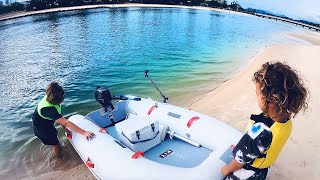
<point>234,101</point>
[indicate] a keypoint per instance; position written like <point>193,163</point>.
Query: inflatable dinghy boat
<point>138,138</point>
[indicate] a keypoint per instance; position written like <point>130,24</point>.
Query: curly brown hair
<point>281,85</point>
<point>55,93</point>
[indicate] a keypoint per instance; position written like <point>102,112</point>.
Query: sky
<point>296,9</point>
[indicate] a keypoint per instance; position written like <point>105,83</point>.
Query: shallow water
<point>187,52</point>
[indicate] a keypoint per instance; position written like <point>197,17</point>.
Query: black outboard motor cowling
<point>103,96</point>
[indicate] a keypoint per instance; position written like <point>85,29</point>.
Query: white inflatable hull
<point>108,159</point>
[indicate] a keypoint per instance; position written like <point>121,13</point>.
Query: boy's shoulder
<point>259,131</point>
<point>253,143</point>
<point>261,118</point>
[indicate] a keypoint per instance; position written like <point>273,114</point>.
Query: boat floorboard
<point>173,152</point>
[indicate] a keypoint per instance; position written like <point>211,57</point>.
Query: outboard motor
<point>103,96</point>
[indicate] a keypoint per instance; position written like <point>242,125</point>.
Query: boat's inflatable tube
<point>107,158</point>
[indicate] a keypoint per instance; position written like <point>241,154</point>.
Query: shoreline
<point>20,14</point>
<point>60,9</point>
<point>234,111</point>
<point>233,101</point>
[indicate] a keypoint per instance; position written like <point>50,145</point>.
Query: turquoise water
<point>188,52</point>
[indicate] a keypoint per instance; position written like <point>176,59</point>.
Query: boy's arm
<point>233,166</point>
<point>73,127</point>
<point>247,150</point>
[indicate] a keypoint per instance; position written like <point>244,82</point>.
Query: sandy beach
<point>234,101</point>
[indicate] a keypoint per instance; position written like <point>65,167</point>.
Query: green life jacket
<point>44,103</point>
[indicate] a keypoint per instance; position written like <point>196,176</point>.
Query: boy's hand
<point>225,170</point>
<point>233,166</point>
<point>88,134</point>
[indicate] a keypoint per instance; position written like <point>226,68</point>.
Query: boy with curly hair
<point>280,94</point>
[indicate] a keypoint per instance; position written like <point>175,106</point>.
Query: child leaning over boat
<point>280,94</point>
<point>47,112</point>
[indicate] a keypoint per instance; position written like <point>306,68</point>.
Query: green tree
<point>11,7</point>
<point>217,3</point>
<point>224,3</point>
<point>197,2</point>
<point>65,3</point>
<point>36,5</point>
<point>17,6</point>
<point>235,6</point>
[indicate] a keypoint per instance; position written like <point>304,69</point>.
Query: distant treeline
<point>11,7</point>
<point>34,5</point>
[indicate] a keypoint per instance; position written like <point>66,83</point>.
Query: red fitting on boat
<point>232,146</point>
<point>89,163</point>
<point>103,129</point>
<point>69,135</point>
<point>192,120</point>
<point>151,109</point>
<point>137,154</point>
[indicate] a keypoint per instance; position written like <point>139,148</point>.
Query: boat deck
<point>173,152</point>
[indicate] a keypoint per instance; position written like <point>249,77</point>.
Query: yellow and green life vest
<point>44,103</point>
